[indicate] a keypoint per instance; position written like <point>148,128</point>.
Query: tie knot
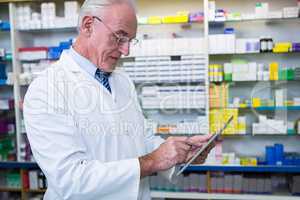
<point>102,77</point>
<point>102,74</point>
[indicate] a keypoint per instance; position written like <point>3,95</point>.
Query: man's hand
<point>175,150</point>
<point>197,142</point>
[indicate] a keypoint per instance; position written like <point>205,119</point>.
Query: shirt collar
<point>85,64</point>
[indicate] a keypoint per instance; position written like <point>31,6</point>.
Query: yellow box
<point>154,20</point>
<point>274,69</point>
<point>288,103</point>
<point>253,162</point>
<point>282,47</point>
<point>242,127</point>
<point>175,19</point>
<point>256,102</point>
<point>218,118</point>
<point>243,105</point>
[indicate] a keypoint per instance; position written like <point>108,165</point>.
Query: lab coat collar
<point>73,67</point>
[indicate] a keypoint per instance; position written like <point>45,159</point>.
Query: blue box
<point>4,26</point>
<point>279,153</point>
<point>3,71</point>
<point>270,155</point>
<point>54,53</point>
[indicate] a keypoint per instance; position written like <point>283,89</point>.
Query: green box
<point>13,180</point>
<point>290,74</point>
<point>228,77</point>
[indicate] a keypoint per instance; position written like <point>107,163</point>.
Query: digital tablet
<point>203,148</point>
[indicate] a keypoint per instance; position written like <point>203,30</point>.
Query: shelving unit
<point>190,195</point>
<point>244,28</point>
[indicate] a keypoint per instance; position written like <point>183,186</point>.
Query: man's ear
<point>86,25</point>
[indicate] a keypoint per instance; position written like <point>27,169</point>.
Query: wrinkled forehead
<point>121,17</point>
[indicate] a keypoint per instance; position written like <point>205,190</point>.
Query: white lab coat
<point>86,140</point>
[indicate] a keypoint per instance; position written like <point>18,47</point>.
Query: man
<point>83,120</point>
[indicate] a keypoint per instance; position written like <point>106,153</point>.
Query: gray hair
<point>93,7</point>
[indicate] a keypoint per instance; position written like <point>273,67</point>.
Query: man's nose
<point>125,48</point>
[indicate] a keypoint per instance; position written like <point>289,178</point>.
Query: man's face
<point>117,20</point>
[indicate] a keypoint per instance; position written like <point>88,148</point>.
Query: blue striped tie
<point>102,77</point>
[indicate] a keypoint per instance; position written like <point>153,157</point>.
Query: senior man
<point>83,120</point>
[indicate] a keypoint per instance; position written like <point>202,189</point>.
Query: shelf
<point>255,53</point>
<point>35,190</point>
<point>269,20</point>
<point>263,108</point>
<point>232,135</point>
<point>193,195</point>
<point>7,1</point>
<point>169,24</point>
<point>256,169</point>
<point>47,30</point>
<point>18,165</point>
<point>10,190</point>
<point>268,81</point>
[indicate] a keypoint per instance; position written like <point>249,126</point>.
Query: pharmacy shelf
<point>255,20</point>
<point>168,24</point>
<point>18,165</point>
<point>268,81</point>
<point>49,30</point>
<point>255,53</point>
<point>194,195</point>
<point>35,191</point>
<point>228,136</point>
<point>264,108</point>
<point>271,108</point>
<point>254,169</point>
<point>10,190</point>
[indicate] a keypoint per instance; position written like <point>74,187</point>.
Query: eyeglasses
<point>120,40</point>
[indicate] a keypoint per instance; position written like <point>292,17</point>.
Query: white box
<point>212,10</point>
<point>33,180</point>
<point>275,15</point>
<point>279,97</point>
<point>237,183</point>
<point>290,12</point>
<point>245,185</point>
<point>228,183</point>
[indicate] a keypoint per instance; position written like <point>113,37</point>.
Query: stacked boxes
<point>230,183</point>
<point>269,126</point>
<point>216,73</point>
<point>218,96</point>
<point>188,183</point>
<point>168,47</point>
<point>174,97</point>
<point>222,44</point>
<point>48,13</point>
<point>241,70</point>
<point>28,19</point>
<point>166,69</point>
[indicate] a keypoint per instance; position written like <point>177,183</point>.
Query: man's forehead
<point>121,19</point>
